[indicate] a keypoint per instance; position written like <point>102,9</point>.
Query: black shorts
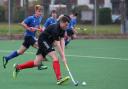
<point>70,32</point>
<point>44,47</point>
<point>29,41</point>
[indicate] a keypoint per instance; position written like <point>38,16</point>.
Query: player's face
<point>64,25</point>
<point>38,13</point>
<point>54,15</point>
<point>71,15</point>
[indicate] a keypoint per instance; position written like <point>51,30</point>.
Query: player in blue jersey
<point>51,20</point>
<point>31,25</point>
<point>71,31</point>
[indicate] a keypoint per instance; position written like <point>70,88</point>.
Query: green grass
<point>15,29</point>
<point>101,63</point>
<point>101,29</point>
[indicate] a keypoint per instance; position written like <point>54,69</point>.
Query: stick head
<point>76,84</point>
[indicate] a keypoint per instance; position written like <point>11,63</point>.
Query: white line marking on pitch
<point>80,56</point>
<point>96,57</point>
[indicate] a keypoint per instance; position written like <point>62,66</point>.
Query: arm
<point>46,24</point>
<point>62,43</point>
<point>25,25</point>
<point>74,30</point>
<point>60,48</point>
<point>43,28</point>
<point>40,29</point>
<point>32,29</point>
<point>73,24</point>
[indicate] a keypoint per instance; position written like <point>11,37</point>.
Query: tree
<point>2,14</point>
<point>11,10</point>
<point>126,2</point>
<point>26,4</point>
<point>45,4</point>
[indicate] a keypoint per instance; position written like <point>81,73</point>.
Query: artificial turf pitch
<point>102,64</point>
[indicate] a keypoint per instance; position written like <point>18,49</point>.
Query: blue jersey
<point>50,21</point>
<point>72,24</point>
<point>32,21</point>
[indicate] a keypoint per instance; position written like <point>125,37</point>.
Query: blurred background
<point>96,18</point>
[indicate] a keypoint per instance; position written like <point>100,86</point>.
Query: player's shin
<point>12,55</point>
<point>28,64</point>
<point>56,67</point>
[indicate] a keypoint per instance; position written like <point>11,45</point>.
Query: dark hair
<point>75,14</point>
<point>53,11</point>
<point>65,18</point>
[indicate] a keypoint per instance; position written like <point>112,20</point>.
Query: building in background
<point>89,3</point>
<point>1,2</point>
<point>115,6</point>
<point>88,14</point>
<point>85,8</point>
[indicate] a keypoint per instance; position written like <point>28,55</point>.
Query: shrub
<point>105,16</point>
<point>19,15</point>
<point>2,14</point>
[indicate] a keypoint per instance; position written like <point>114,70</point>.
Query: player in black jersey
<point>52,37</point>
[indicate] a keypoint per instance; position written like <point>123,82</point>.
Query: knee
<point>20,52</point>
<point>55,58</point>
<point>37,62</point>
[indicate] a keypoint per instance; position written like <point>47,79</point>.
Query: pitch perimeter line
<point>79,56</point>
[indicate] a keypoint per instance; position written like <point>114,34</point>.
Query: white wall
<point>87,2</point>
<point>83,2</point>
<point>1,2</point>
<point>108,4</point>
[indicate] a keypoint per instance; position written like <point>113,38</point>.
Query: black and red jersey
<point>52,32</point>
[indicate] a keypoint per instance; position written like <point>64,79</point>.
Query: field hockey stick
<point>74,82</point>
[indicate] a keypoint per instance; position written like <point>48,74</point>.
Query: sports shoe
<point>62,80</point>
<point>4,62</point>
<point>42,67</point>
<point>15,71</point>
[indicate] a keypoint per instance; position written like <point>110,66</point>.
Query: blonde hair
<point>38,7</point>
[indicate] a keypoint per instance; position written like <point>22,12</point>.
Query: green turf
<point>101,63</point>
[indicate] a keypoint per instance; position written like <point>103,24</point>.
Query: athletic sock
<point>28,64</point>
<point>12,55</point>
<point>56,67</point>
